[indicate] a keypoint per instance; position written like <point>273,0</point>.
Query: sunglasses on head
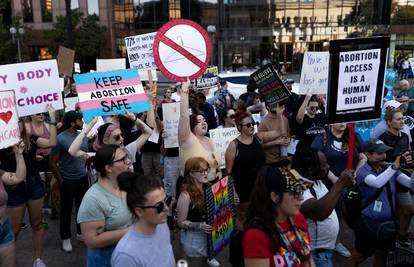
<point>159,207</point>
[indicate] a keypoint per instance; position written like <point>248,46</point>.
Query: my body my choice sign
<point>356,78</point>
<point>112,92</point>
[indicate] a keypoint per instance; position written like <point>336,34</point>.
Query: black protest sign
<point>356,79</point>
<point>271,87</point>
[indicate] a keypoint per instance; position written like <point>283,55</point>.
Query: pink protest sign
<point>36,84</point>
<point>9,127</point>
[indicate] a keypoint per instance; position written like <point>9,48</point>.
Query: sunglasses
<point>117,137</point>
<point>313,108</point>
<point>250,124</point>
<point>159,207</point>
<point>124,159</point>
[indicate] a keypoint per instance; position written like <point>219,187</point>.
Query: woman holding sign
<point>192,139</point>
<point>191,212</point>
<point>7,248</point>
<point>30,192</point>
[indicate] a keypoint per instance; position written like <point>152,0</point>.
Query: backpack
<point>352,205</point>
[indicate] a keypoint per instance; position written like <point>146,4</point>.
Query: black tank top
<point>249,159</point>
<point>195,214</point>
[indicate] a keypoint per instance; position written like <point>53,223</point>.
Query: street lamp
<point>17,34</point>
<point>211,29</point>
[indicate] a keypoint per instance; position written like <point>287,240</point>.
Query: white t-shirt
<point>328,229</point>
<point>132,150</point>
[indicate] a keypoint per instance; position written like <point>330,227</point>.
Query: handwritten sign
<point>36,84</point>
<point>9,127</point>
<point>65,60</point>
<point>110,64</point>
<point>220,210</point>
<point>271,87</point>
<point>208,80</point>
<point>113,92</point>
<point>314,76</point>
<point>139,49</point>
<point>221,139</point>
<point>171,116</point>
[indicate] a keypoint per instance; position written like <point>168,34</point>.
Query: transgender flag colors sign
<point>112,92</point>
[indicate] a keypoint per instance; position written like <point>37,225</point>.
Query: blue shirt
<point>385,214</point>
<point>70,167</point>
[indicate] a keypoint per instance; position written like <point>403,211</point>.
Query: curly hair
<point>189,186</point>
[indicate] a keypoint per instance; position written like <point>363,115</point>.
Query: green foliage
<point>88,35</point>
<point>402,14</point>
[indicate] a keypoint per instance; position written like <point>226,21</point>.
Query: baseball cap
<point>392,104</point>
<point>70,117</point>
<point>375,145</point>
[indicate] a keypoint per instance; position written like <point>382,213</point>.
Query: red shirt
<point>256,244</point>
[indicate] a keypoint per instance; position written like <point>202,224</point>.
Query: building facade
<point>243,32</point>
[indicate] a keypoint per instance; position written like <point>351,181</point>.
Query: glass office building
<point>248,32</point>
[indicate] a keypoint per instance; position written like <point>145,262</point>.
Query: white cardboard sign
<point>70,103</point>
<point>139,49</point>
<point>221,139</point>
<point>36,84</point>
<point>171,116</point>
<point>9,126</point>
<point>358,74</point>
<point>315,71</point>
<point>111,64</point>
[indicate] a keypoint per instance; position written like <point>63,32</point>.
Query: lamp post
<point>16,36</point>
<point>211,29</point>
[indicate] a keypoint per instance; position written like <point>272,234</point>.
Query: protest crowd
<point>284,185</point>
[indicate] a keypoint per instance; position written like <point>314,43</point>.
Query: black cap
<point>375,145</point>
<point>70,117</point>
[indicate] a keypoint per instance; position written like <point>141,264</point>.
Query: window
<point>47,15</point>
<point>27,10</point>
<point>93,7</point>
<point>74,4</point>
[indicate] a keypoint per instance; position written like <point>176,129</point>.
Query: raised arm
<point>301,111</point>
<point>145,129</point>
<point>20,174</point>
<point>75,147</point>
<point>184,130</point>
<point>43,142</point>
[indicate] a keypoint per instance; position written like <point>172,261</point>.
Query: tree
<point>88,36</point>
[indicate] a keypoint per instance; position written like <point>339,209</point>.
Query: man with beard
<point>318,204</point>
<point>71,174</point>
<point>275,121</point>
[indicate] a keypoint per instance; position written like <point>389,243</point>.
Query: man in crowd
<point>71,174</point>
<point>318,204</point>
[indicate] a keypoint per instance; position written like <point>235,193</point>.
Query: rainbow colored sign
<point>220,212</point>
<point>112,92</point>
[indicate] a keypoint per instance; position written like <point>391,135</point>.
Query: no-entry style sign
<point>182,50</point>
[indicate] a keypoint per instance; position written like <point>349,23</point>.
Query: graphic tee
<point>256,244</point>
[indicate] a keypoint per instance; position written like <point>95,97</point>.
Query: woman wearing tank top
<point>192,140</point>
<point>244,157</point>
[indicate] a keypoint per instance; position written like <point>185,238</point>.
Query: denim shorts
<point>99,257</point>
<point>31,189</point>
<point>6,234</point>
<point>194,243</point>
<point>323,257</point>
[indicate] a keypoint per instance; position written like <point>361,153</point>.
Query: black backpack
<point>352,205</point>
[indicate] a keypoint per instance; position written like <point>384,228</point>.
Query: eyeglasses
<point>117,137</point>
<point>250,124</point>
<point>203,171</point>
<point>159,207</point>
<point>124,159</point>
